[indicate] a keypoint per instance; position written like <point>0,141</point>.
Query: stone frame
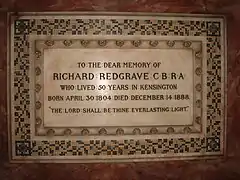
<point>212,142</point>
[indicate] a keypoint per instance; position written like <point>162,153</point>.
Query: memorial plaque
<point>116,87</point>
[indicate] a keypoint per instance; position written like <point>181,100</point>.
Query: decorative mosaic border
<point>41,45</point>
<point>155,147</point>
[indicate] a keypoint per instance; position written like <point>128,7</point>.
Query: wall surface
<point>218,169</point>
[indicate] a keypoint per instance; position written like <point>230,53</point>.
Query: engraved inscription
<point>118,87</point>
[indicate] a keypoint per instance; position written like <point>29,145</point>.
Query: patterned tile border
<point>27,147</point>
<point>41,45</point>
